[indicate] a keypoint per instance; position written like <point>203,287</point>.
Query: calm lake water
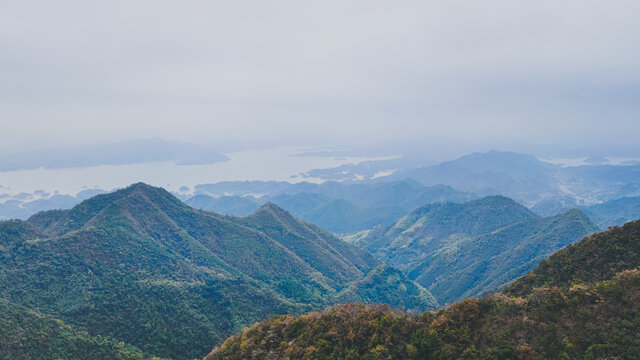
<point>270,164</point>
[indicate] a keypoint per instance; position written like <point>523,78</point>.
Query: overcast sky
<point>321,72</point>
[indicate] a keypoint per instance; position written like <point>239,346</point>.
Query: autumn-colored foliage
<point>547,315</point>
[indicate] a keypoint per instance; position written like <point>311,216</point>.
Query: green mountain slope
<point>596,319</point>
<point>386,285</point>
<point>122,268</point>
<point>597,257</point>
<point>27,334</point>
<point>473,266</point>
<point>463,250</point>
<point>141,267</point>
<point>427,229</point>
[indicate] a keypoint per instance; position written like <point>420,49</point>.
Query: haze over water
<point>278,164</point>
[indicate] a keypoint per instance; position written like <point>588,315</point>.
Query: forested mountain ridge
<point>28,334</point>
<point>462,250</point>
<point>143,268</point>
<point>594,317</point>
<point>608,193</point>
<point>597,257</point>
<point>424,229</point>
<point>478,265</point>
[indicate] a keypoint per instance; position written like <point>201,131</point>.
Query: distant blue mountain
<point>543,186</point>
<point>614,212</point>
<point>334,206</point>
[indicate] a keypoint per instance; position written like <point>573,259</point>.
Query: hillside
<point>27,334</point>
<point>143,268</point>
<point>594,320</point>
<point>595,258</point>
<point>473,266</point>
<point>426,229</point>
<point>371,290</point>
<point>614,212</point>
<point>463,250</point>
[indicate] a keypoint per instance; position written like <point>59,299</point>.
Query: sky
<point>234,74</point>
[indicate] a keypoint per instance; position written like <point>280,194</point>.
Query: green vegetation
<point>462,250</point>
<point>27,334</point>
<point>140,267</point>
<point>471,266</point>
<point>595,319</point>
<point>595,258</point>
<point>426,229</point>
<point>386,285</point>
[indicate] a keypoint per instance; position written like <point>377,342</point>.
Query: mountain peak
<point>273,210</point>
<point>154,194</point>
<point>497,200</point>
<point>141,187</point>
<point>270,206</point>
<point>59,222</point>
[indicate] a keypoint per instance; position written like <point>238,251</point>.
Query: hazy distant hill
<point>531,181</point>
<point>462,250</point>
<point>32,203</point>
<point>544,188</point>
<point>228,205</point>
<point>337,207</point>
<point>605,214</point>
<point>614,212</point>
<point>601,182</point>
<point>582,303</point>
<point>141,267</point>
<point>518,176</point>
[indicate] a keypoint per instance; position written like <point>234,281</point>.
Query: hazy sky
<point>322,72</point>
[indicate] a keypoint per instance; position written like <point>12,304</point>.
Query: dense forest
<point>28,334</point>
<point>137,274</point>
<point>141,268</point>
<point>462,250</point>
<point>583,303</point>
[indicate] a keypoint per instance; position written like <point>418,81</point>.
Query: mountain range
<point>140,272</point>
<point>532,182</point>
<point>581,303</point>
<point>336,207</point>
<point>463,250</point>
<point>609,194</point>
